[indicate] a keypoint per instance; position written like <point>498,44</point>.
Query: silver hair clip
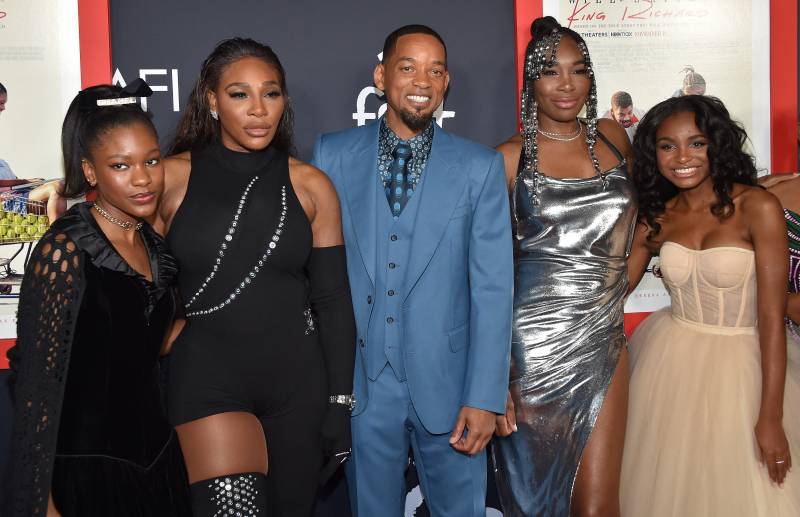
<point>117,102</point>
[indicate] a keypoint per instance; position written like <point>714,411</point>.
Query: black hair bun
<point>543,26</point>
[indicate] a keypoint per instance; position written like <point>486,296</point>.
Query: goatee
<point>416,121</point>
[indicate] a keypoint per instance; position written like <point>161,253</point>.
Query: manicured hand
<point>773,448</point>
<point>507,423</point>
<point>473,429</point>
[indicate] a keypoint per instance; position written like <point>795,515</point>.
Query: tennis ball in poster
<point>43,220</point>
<point>31,230</point>
<point>18,218</point>
<point>31,218</point>
<point>3,231</point>
<point>11,234</point>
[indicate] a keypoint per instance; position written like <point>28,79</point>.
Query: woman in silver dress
<point>574,210</point>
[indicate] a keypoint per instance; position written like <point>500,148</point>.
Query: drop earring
<point>214,114</point>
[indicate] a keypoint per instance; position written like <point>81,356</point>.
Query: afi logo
<point>361,116</point>
<point>144,73</point>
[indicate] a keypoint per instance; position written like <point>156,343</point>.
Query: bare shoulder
<point>788,193</point>
<point>313,189</point>
<point>309,178</point>
<point>511,149</point>
<point>616,134</point>
<point>757,203</point>
<point>177,166</point>
<point>317,196</point>
<point>177,169</point>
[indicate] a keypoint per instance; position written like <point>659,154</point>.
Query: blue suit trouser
<point>453,484</point>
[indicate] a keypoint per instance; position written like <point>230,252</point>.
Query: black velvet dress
<point>90,425</point>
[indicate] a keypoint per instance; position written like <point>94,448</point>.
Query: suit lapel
<point>360,170</point>
<point>441,191</point>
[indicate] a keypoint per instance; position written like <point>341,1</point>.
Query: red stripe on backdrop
<point>5,344</point>
<point>525,11</point>
<point>632,320</point>
<point>94,29</point>
<point>783,84</point>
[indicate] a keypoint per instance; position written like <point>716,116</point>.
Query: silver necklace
<point>125,225</point>
<point>561,137</point>
<point>248,278</point>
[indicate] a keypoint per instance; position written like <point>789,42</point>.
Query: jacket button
<point>369,299</point>
<point>393,237</point>
<point>392,265</point>
<point>389,320</point>
<point>361,343</point>
<point>391,292</point>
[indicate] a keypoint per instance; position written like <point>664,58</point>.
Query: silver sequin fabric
<point>570,283</point>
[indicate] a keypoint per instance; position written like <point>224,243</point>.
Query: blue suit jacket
<point>456,314</point>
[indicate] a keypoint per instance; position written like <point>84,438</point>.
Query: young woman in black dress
<point>91,437</point>
<point>261,375</point>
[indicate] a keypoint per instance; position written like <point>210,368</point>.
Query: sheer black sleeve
<point>49,303</point>
<point>330,300</point>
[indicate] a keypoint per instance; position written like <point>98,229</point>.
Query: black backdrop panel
<point>329,50</point>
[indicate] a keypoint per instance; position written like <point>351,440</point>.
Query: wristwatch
<point>347,400</point>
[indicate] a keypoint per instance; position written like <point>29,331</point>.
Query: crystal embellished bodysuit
<point>249,344</point>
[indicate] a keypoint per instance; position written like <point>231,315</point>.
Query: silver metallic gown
<point>570,281</point>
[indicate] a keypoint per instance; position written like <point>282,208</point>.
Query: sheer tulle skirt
<point>690,448</point>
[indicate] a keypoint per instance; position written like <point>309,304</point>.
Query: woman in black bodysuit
<point>91,437</point>
<point>261,375</point>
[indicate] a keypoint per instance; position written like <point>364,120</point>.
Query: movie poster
<point>655,49</point>
<point>40,68</point>
<point>645,51</point>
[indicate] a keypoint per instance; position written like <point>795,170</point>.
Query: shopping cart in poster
<point>22,223</point>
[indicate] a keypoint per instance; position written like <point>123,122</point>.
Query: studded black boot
<point>234,495</point>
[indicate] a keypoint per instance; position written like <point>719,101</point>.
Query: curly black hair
<point>729,162</point>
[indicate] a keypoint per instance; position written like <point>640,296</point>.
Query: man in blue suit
<point>426,226</point>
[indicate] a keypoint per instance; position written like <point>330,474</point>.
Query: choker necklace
<point>562,137</point>
<point>125,225</point>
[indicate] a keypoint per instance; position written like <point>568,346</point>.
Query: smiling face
<point>561,91</point>
<point>125,164</point>
<point>3,99</point>
<point>249,102</point>
<point>682,151</point>
<point>414,79</point>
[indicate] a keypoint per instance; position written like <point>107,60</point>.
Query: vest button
<point>390,320</point>
<point>393,237</point>
<point>391,292</point>
<point>392,265</point>
<point>361,343</point>
<point>369,300</point>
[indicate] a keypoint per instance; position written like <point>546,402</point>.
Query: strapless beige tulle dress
<point>695,391</point>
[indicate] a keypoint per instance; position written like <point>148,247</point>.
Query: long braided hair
<point>546,34</point>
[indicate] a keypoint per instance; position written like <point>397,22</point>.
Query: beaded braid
<point>543,55</point>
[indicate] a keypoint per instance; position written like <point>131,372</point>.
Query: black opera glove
<point>333,311</point>
<point>336,441</point>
